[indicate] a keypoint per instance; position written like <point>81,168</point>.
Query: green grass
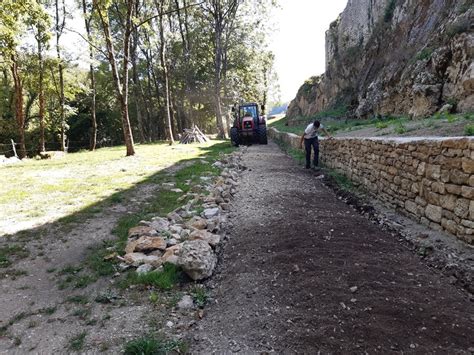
<point>469,130</point>
<point>150,345</point>
<point>164,280</point>
<point>79,185</point>
<point>341,180</point>
<point>12,251</point>
<point>78,299</point>
<point>400,128</point>
<point>200,296</point>
<point>76,343</point>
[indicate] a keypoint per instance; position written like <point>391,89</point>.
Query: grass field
<point>34,192</point>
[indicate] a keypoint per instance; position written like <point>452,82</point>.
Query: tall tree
<point>121,85</point>
<point>14,16</point>
<point>220,14</point>
<point>160,5</point>
<point>87,10</point>
<point>42,37</point>
<point>60,24</point>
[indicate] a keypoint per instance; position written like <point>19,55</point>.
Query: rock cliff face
<point>395,57</point>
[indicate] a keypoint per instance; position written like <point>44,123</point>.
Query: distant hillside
<point>395,57</point>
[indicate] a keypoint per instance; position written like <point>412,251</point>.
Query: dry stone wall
<point>429,179</point>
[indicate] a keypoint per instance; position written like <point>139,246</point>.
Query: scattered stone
<point>176,229</point>
<point>150,243</point>
<point>212,239</point>
<point>136,232</point>
<point>168,185</point>
<point>353,289</point>
<point>159,224</point>
<point>174,217</point>
<point>171,254</point>
<point>130,248</point>
<point>170,242</point>
<point>143,269</point>
<point>197,259</point>
<point>176,190</point>
<point>186,302</point>
<point>211,212</point>
<point>136,259</point>
<point>169,324</point>
<point>197,223</point>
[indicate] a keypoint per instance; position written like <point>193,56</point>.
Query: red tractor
<point>249,126</point>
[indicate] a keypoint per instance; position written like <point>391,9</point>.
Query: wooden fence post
<point>14,149</point>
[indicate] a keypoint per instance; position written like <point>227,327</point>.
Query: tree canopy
<point>155,67</point>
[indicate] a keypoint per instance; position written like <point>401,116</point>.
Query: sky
<point>299,40</point>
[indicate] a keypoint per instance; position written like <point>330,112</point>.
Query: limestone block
<point>449,225</point>
<point>438,187</point>
<point>467,192</point>
<point>411,206</point>
<point>433,213</point>
<point>448,202</point>
<point>462,208</point>
<point>453,189</point>
<point>431,197</point>
<point>458,177</point>
<point>468,165</point>
<point>421,169</point>
<point>433,171</point>
<point>420,201</point>
<point>456,143</point>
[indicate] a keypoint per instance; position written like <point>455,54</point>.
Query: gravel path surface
<point>303,272</point>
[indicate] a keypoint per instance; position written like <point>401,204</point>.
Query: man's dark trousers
<point>308,143</point>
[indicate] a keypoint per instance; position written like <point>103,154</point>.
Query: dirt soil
<point>38,316</point>
<point>303,272</point>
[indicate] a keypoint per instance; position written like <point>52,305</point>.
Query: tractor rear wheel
<point>262,134</point>
<point>234,136</point>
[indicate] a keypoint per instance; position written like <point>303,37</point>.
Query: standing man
<point>310,138</point>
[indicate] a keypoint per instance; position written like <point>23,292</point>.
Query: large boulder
<point>197,259</point>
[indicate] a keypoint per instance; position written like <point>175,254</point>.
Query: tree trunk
<point>93,135</point>
<point>120,88</point>
<point>18,102</point>
<point>59,30</point>
<point>164,65</point>
<point>42,147</point>
<point>217,82</point>
<point>136,83</point>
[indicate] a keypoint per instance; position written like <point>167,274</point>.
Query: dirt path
<point>304,272</point>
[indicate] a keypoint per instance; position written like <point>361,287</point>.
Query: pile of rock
<point>186,237</point>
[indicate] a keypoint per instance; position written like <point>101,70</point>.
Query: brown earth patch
<point>304,272</point>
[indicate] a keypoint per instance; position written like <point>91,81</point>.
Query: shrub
<point>469,130</point>
<point>400,128</point>
<point>425,53</point>
<point>381,125</point>
<point>389,10</point>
